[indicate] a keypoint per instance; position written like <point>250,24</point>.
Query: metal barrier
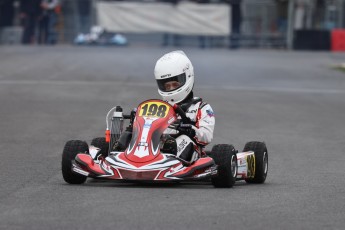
<point>11,35</point>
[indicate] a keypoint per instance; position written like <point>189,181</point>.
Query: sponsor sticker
<point>181,145</point>
<point>166,75</point>
<point>210,113</point>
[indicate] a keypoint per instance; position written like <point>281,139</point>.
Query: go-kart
<point>136,154</point>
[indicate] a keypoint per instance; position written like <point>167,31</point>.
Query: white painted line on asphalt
<point>146,84</point>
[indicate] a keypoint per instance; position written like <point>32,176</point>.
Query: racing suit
<point>202,119</point>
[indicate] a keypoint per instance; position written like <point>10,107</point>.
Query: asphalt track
<point>293,101</point>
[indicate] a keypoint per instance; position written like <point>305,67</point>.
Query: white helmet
<point>174,66</point>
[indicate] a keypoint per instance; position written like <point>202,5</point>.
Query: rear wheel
<point>71,149</point>
<point>100,143</point>
<point>261,161</point>
<point>225,157</point>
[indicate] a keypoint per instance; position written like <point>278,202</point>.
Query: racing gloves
<point>169,145</point>
<point>186,129</point>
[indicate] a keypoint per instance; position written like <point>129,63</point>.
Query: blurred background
<point>281,24</point>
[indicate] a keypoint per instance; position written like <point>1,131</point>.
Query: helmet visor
<point>172,83</point>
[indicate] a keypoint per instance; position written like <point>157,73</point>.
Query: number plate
<point>154,109</point>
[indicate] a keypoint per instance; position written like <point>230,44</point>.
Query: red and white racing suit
<point>202,115</point>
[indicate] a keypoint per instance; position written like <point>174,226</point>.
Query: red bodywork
<point>142,160</point>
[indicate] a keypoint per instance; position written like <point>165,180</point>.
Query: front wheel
<point>70,151</point>
<point>225,157</point>
<point>261,161</point>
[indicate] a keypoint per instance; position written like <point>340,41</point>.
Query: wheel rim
<point>234,166</point>
<point>265,160</point>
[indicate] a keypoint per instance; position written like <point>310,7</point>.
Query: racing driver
<point>174,74</point>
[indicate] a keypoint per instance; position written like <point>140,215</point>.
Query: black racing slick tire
<point>261,161</point>
<point>225,157</point>
<point>100,143</point>
<point>70,151</point>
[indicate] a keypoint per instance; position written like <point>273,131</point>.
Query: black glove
<point>186,129</point>
<point>169,146</point>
